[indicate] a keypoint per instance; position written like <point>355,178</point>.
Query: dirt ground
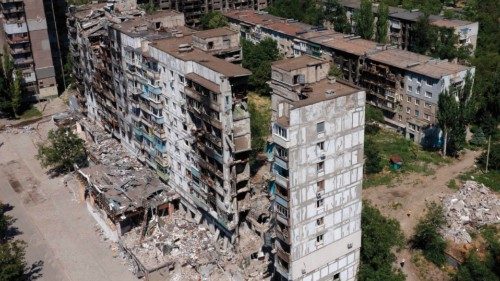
<point>63,243</point>
<point>410,197</point>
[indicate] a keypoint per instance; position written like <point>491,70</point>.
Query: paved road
<point>59,231</point>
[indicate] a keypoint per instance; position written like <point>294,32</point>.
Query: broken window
<point>320,221</point>
<point>320,166</point>
<point>319,239</point>
<point>320,127</point>
<point>320,203</point>
<point>320,146</point>
<point>320,186</point>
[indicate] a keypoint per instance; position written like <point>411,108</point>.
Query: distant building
<point>25,33</point>
<point>195,9</point>
<point>405,85</point>
<point>402,20</point>
<point>317,139</point>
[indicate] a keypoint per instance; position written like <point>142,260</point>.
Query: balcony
<point>202,115</point>
<point>15,28</point>
<point>22,61</point>
<point>15,51</point>
<point>279,179</point>
<point>283,234</point>
<point>281,252</point>
<point>210,167</point>
<point>18,39</point>
<point>161,148</point>
<point>192,93</point>
<point>12,9</point>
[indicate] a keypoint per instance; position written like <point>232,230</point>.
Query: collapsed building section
<point>404,85</point>
<point>317,164</point>
<point>174,99</point>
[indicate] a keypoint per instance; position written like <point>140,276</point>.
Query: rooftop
<point>171,47</point>
<point>297,63</point>
<point>216,32</point>
<point>145,25</point>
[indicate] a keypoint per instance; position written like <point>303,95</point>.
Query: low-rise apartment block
<point>317,140</point>
<point>173,98</point>
<point>401,22</point>
<point>405,85</point>
<point>195,9</point>
<point>24,33</point>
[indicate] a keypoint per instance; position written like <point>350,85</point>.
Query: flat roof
<point>297,63</point>
<point>450,23</point>
<point>216,32</point>
<point>319,93</point>
<point>417,63</point>
<point>171,46</point>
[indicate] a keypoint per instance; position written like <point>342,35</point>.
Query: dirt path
<point>411,195</point>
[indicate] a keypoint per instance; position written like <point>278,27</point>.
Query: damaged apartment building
<point>173,98</point>
<point>195,9</point>
<point>405,85</point>
<point>317,165</point>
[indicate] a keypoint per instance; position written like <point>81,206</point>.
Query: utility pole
<point>488,153</point>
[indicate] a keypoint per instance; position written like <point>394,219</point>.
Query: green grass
<point>415,159</point>
<point>490,179</point>
<point>31,112</point>
<point>452,184</point>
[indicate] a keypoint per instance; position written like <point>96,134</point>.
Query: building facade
<point>195,9</point>
<point>173,98</point>
<point>24,33</point>
<point>401,22</point>
<point>317,139</point>
<point>405,85</point>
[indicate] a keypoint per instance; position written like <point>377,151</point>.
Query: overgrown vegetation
<point>427,237</point>
<point>382,23</point>
<point>12,261</point>
<point>336,15</point>
<point>364,20</point>
<point>486,268</point>
<point>456,109</point>
<point>415,159</point>
<point>11,89</point>
<point>308,11</point>
<point>258,58</point>
<point>213,19</point>
<point>62,151</point>
<point>260,120</point>
<point>379,237</point>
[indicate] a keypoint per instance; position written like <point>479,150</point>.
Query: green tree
<point>335,71</point>
<point>379,237</point>
<point>260,122</point>
<point>455,111</point>
<point>149,7</point>
<point>364,20</point>
<point>12,262</point>
<point>427,237</point>
<point>382,22</point>
<point>17,92</point>
<point>423,36</point>
<point>68,70</point>
<point>258,58</point>
<point>494,161</point>
<point>308,11</point>
<point>336,14</point>
<point>474,269</point>
<point>213,19</point>
<point>478,139</point>
<point>63,150</point>
<point>373,162</point>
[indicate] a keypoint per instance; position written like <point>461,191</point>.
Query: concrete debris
<point>473,206</point>
<point>182,249</point>
<point>21,130</point>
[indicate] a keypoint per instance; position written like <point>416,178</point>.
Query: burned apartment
<point>317,165</point>
<point>405,85</point>
<point>401,21</point>
<point>195,9</point>
<point>174,99</point>
<point>25,36</point>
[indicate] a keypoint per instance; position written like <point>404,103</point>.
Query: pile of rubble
<point>21,130</point>
<point>474,205</point>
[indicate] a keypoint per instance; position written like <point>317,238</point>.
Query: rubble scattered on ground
<point>22,130</point>
<point>473,206</point>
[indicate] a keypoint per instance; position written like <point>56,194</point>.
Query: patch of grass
<point>452,184</point>
<point>378,179</point>
<point>31,112</point>
<point>490,179</point>
<point>415,159</point>
<point>260,117</point>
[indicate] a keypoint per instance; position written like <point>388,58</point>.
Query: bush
<point>478,139</point>
<point>427,237</point>
<point>380,236</point>
<point>494,162</point>
<point>373,162</point>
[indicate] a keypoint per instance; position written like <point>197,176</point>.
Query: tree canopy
<point>336,14</point>
<point>12,262</point>
<point>62,150</point>
<point>213,19</point>
<point>364,20</point>
<point>427,237</point>
<point>308,11</point>
<point>382,22</point>
<point>379,237</point>
<point>258,58</point>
